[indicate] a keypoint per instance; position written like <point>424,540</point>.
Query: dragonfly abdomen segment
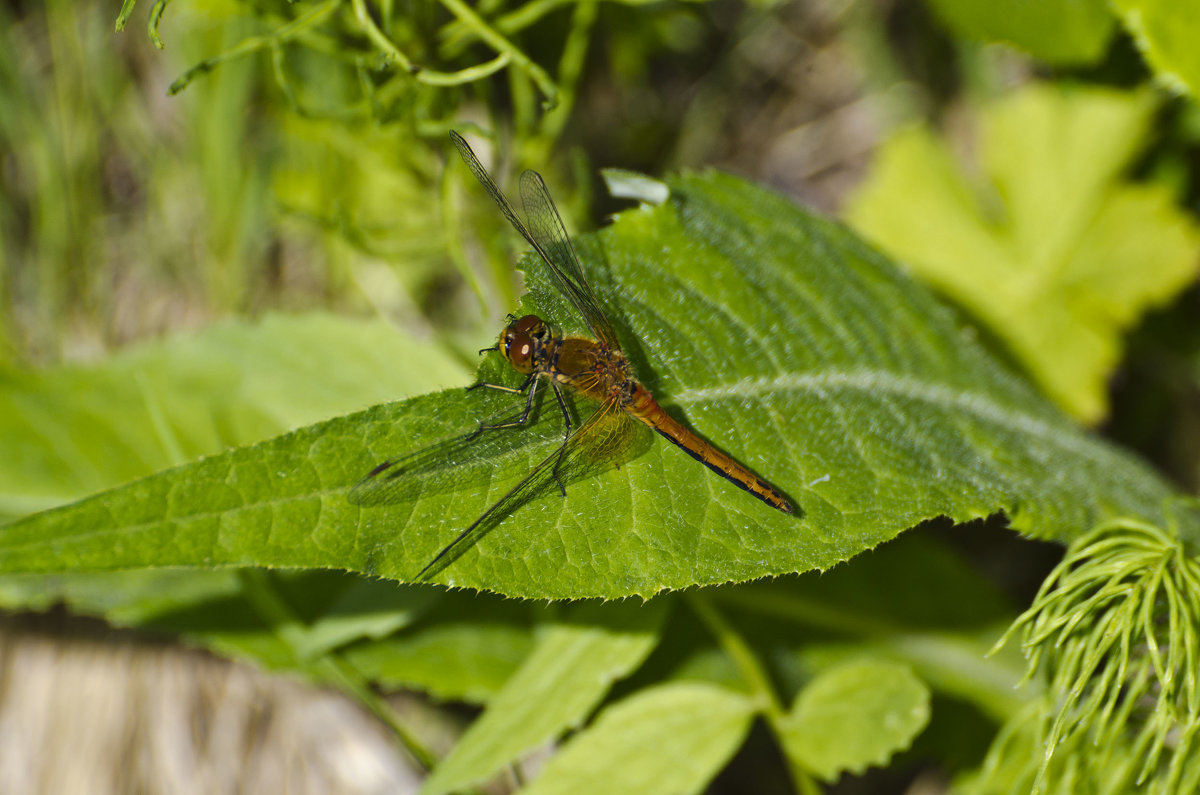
<point>643,406</point>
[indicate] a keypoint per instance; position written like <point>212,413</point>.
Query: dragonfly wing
<point>485,179</point>
<point>401,478</point>
<point>549,232</point>
<point>543,229</point>
<point>539,476</point>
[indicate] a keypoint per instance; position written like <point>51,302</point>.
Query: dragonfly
<point>594,367</point>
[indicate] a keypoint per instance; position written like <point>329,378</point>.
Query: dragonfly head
<point>520,341</point>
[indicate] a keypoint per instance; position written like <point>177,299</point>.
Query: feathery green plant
<point>1115,630</point>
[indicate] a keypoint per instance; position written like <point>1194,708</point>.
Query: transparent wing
<point>548,230</point>
<point>439,465</point>
<point>544,230</point>
<point>485,179</point>
<point>592,432</point>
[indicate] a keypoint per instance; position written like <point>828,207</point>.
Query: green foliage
<point>565,676</point>
<point>1052,249</point>
<point>388,63</point>
<point>464,648</point>
<point>1164,32</point>
<point>670,739</point>
<point>75,430</point>
<point>122,217</point>
<point>1078,32</point>
<point>868,431</point>
<point>700,678</point>
<point>542,671</point>
<point>1116,631</point>
<point>1055,31</point>
<point>855,715</point>
<point>778,336</point>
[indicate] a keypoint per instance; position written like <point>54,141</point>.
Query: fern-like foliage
<point>1115,631</point>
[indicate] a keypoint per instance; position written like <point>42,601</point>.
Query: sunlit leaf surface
<point>669,739</point>
<point>854,716</point>
<point>779,336</point>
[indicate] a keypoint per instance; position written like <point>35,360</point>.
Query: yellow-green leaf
<point>778,335</point>
<point>1057,31</point>
<point>670,740</point>
<point>1166,33</point>
<point>567,674</point>
<point>1051,247</point>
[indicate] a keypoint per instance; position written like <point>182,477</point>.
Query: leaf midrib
<point>952,400</point>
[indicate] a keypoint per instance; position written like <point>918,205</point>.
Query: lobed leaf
<point>1052,250</point>
<point>1056,31</point>
<point>1165,31</point>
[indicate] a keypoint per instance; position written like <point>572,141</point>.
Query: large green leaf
<point>779,336</point>
<point>1054,251</point>
<point>74,430</point>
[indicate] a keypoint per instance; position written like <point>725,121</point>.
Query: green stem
<point>497,42</point>
<point>379,38</point>
<point>123,14</point>
<point>739,652</point>
<point>467,75</point>
<point>755,676</point>
<point>571,65</point>
<point>156,12</point>
<point>957,663</point>
<point>423,75</point>
<point>340,672</point>
<point>254,43</point>
<point>452,228</point>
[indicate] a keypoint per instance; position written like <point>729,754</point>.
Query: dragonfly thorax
<point>521,341</point>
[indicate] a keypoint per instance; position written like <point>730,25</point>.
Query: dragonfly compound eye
<point>531,325</point>
<point>517,347</point>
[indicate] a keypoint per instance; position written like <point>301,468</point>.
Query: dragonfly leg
<point>520,419</point>
<point>562,451</point>
<point>503,388</point>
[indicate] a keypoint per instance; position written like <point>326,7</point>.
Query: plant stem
<point>500,44</point>
<point>756,677</point>
<point>739,652</point>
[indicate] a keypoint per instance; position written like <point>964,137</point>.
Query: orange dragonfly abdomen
<point>603,373</point>
<point>642,405</point>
